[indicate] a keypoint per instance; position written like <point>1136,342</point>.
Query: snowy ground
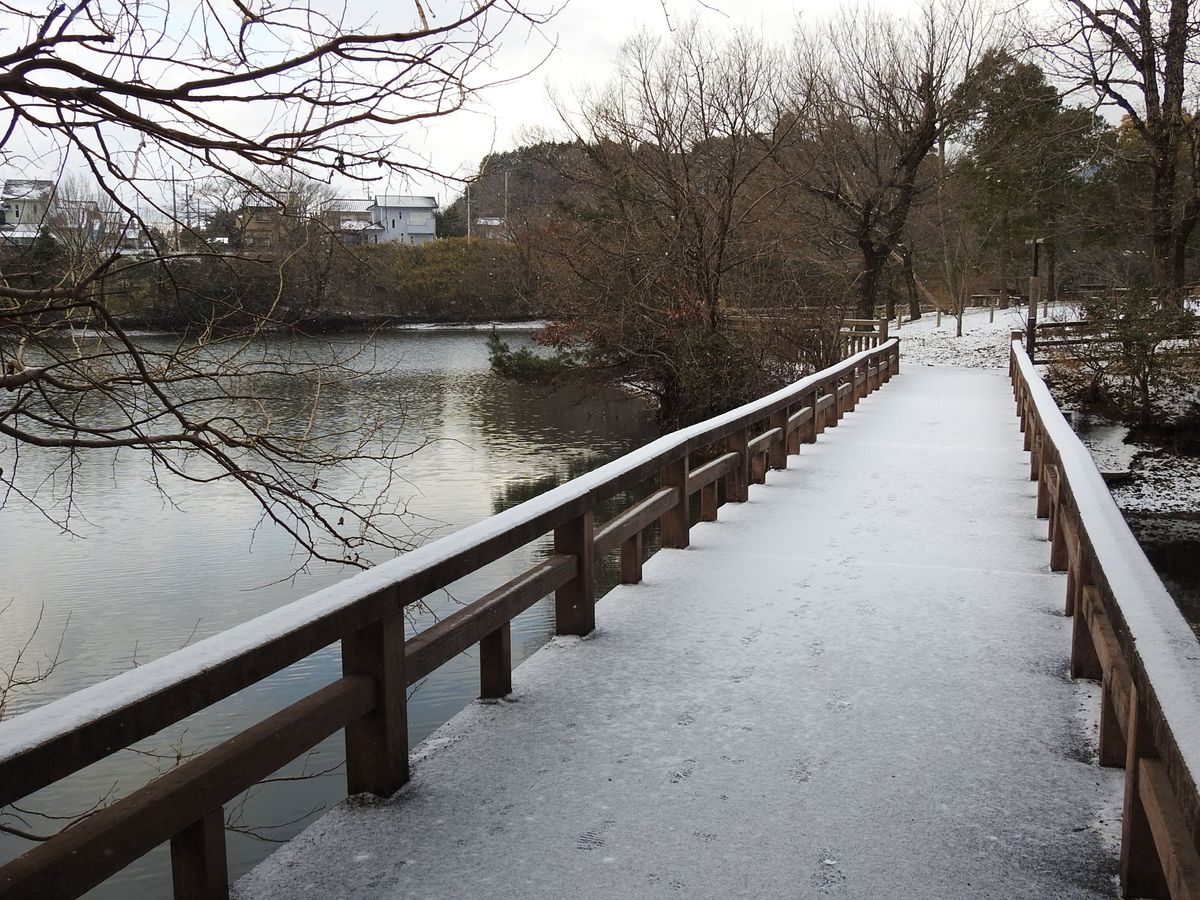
<point>1160,483</point>
<point>807,702</point>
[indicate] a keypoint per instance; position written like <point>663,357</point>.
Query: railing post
<point>575,601</point>
<point>737,482</point>
<point>631,559</point>
<point>495,663</point>
<point>818,421</point>
<point>675,522</point>
<point>377,743</point>
<point>1141,869</point>
<point>198,867</point>
<point>708,503</point>
<point>779,449</point>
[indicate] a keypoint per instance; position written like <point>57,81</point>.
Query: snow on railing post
<point>575,601</point>
<point>675,521</point>
<point>377,743</point>
<point>198,864</point>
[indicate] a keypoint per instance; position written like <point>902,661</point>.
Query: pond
<point>147,572</point>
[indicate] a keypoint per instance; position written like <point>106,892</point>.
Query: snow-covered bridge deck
<point>854,685</point>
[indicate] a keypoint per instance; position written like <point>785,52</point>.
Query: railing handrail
<point>1159,649</point>
<point>117,700</point>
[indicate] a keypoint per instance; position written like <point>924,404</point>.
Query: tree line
<point>874,161</point>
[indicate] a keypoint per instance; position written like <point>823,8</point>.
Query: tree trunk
<point>1004,260</point>
<point>910,281</point>
<point>873,266</point>
<point>889,295</point>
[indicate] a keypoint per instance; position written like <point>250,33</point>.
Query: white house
<point>24,209</point>
<point>404,218</point>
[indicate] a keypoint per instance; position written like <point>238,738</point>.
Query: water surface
<point>146,572</point>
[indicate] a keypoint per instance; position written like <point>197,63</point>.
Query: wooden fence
<point>857,335</point>
<point>1129,635</point>
<point>366,614</point>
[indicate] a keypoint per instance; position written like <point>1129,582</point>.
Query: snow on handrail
<point>1159,648</point>
<point>42,724</point>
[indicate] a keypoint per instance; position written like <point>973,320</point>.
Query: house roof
<point>19,232</point>
<point>27,189</point>
<point>350,204</point>
<point>406,201</point>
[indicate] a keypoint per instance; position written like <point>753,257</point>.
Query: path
<point>807,702</point>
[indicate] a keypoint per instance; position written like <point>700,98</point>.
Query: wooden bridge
<point>852,677</point>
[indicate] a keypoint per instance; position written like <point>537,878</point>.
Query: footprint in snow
<point>688,716</point>
<point>742,675</point>
<point>827,876</point>
<point>683,771</point>
<point>593,839</point>
<point>801,769</point>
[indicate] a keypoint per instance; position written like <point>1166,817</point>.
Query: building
<point>350,220</point>
<point>492,227</point>
<point>24,209</point>
<point>404,218</point>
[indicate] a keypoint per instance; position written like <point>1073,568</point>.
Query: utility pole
<point>468,212</point>
<point>1035,295</point>
<point>174,211</point>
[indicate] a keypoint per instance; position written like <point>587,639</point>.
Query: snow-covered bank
<point>1158,482</point>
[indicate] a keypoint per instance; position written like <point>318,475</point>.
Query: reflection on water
<point>146,573</point>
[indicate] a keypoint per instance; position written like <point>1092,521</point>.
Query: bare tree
<point>130,92</point>
<point>673,184</point>
<point>882,91</point>
<point>1142,57</point>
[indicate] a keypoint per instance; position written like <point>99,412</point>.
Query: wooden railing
<point>1129,635</point>
<point>366,614</point>
<point>857,335</point>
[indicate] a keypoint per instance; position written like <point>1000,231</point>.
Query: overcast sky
<point>587,34</point>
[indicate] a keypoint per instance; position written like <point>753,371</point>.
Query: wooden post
<point>737,482</point>
<point>377,743</point>
<point>1085,663</point>
<point>631,559</point>
<point>758,468</point>
<point>1141,869</point>
<point>495,663</point>
<point>575,601</point>
<point>1111,747</point>
<point>793,438</point>
<point>818,423</point>
<point>779,449</point>
<point>676,522</point>
<point>198,867</point>
<point>708,503</point>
